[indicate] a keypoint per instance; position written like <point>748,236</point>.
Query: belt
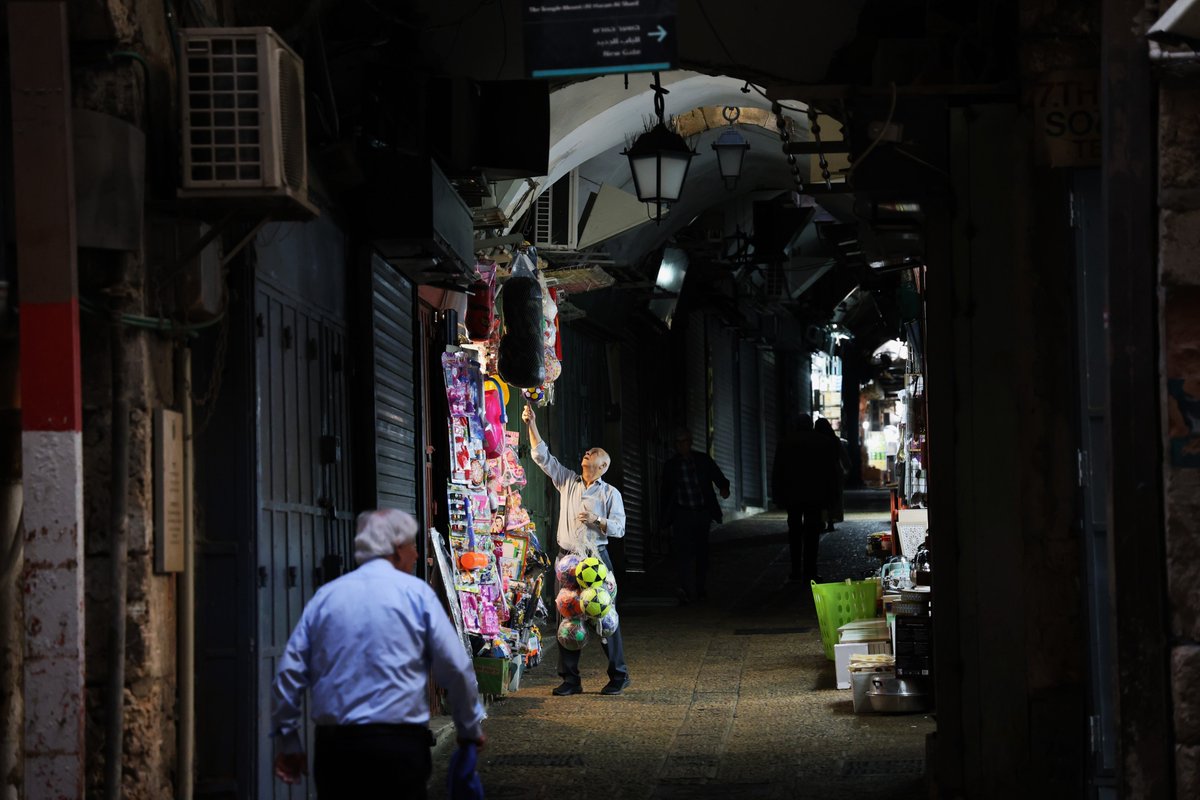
<point>405,730</point>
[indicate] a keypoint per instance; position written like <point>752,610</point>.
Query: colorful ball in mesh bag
<point>590,572</point>
<point>607,625</point>
<point>568,603</point>
<point>610,585</point>
<point>572,634</point>
<point>595,601</point>
<point>565,569</point>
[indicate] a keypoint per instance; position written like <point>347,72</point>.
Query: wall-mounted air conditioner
<point>242,98</point>
<point>556,215</point>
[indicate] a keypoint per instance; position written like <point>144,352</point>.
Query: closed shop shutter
<point>751,421</point>
<point>633,459</point>
<point>725,410</point>
<point>769,391</point>
<point>395,388</point>
<point>696,377</point>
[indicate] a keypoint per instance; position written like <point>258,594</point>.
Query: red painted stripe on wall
<point>51,388</point>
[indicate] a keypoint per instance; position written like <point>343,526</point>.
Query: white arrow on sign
<point>659,34</point>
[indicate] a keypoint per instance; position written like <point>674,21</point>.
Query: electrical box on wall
<point>242,100</point>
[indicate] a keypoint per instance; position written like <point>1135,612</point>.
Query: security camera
<point>1180,25</point>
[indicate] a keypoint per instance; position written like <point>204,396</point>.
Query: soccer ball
<point>572,634</point>
<point>565,569</point>
<point>568,603</point>
<point>590,572</point>
<point>610,585</point>
<point>607,625</point>
<point>595,601</point>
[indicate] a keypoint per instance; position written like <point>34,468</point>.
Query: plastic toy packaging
<point>564,568</point>
<point>607,625</point>
<point>572,634</point>
<point>568,603</point>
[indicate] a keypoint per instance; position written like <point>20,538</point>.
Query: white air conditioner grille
<point>225,124</point>
<point>291,120</point>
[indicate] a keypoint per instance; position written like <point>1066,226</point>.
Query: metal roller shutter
<point>395,388</point>
<point>751,444</point>
<point>769,391</point>
<point>725,410</point>
<point>696,377</point>
<point>633,460</point>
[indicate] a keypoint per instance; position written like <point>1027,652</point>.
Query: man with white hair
<point>590,513</point>
<point>364,647</point>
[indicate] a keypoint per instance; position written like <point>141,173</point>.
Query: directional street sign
<point>565,39</point>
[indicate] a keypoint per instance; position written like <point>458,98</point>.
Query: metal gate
<point>751,444</point>
<point>395,388</point>
<point>304,488</point>
<point>725,415</point>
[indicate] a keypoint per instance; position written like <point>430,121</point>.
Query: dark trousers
<point>689,549</point>
<point>568,660</point>
<point>804,534</point>
<point>376,761</point>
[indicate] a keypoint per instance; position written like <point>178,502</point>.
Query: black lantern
<point>730,148</point>
<point>659,159</point>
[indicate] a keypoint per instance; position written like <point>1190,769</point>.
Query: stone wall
<point>1179,295</point>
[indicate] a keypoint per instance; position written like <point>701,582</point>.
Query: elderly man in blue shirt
<point>590,512</point>
<point>364,648</point>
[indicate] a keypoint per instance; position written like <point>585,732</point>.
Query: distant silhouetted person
<point>803,482</point>
<point>689,506</point>
<point>836,510</point>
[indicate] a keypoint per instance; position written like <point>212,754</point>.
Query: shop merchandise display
<point>585,598</point>
<point>492,560</point>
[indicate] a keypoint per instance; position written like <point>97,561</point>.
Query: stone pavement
<point>731,698</point>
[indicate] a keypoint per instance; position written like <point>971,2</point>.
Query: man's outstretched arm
<point>555,471</point>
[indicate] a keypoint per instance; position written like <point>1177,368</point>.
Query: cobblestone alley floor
<point>732,698</point>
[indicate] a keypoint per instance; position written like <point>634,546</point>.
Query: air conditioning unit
<point>556,215</point>
<point>242,97</point>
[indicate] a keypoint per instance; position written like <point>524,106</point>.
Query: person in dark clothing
<point>803,481</point>
<point>689,507</point>
<point>836,510</point>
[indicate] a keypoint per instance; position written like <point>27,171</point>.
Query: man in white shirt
<point>364,648</point>
<point>590,513</point>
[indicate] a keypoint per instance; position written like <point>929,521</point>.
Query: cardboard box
<point>492,674</point>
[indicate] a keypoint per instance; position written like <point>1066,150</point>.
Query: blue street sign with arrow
<point>568,39</point>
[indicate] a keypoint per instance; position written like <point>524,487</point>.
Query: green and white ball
<point>572,634</point>
<point>595,601</point>
<point>590,572</point>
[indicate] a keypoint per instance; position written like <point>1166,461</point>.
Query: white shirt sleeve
<point>452,670</point>
<point>555,471</point>
<point>615,521</point>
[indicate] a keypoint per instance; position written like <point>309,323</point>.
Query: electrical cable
<point>882,132</point>
<point>163,324</point>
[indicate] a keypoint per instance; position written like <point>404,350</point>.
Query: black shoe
<point>567,688</point>
<point>615,687</point>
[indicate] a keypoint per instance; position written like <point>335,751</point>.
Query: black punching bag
<point>521,361</point>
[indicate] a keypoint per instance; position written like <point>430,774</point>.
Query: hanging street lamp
<point>659,159</point>
<point>730,148</point>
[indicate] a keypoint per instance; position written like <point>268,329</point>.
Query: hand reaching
<point>588,518</point>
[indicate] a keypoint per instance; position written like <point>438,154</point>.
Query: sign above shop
<point>567,39</point>
<point>1066,112</point>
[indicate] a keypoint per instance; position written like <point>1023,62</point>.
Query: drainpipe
<point>186,600</point>
<point>118,559</point>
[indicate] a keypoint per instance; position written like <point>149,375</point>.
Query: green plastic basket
<point>839,603</point>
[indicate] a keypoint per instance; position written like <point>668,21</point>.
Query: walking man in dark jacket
<point>805,483</point>
<point>689,506</point>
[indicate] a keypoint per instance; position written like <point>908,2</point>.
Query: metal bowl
<point>889,695</point>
